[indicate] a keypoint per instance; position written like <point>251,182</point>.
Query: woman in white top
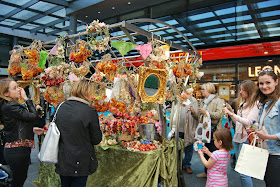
<point>247,114</point>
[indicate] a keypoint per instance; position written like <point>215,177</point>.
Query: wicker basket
<point>125,136</point>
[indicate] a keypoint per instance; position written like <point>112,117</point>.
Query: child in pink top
<point>218,161</point>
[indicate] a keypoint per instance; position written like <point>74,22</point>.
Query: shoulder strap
<point>54,117</point>
<point>270,107</point>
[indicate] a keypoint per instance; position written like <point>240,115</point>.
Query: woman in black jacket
<point>18,124</point>
<point>79,128</point>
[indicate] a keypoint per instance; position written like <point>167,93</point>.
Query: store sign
<point>241,51</point>
<point>254,71</point>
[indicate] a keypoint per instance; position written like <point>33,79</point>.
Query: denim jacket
<point>272,125</point>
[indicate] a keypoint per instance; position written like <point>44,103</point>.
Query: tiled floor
<point>190,179</point>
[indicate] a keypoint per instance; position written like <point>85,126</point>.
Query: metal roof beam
<point>255,18</point>
<point>57,2</point>
<point>189,28</point>
<point>25,34</point>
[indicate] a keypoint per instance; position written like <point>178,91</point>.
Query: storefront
<point>226,72</point>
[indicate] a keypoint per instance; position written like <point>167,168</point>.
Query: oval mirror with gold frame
<point>152,95</point>
<point>36,97</point>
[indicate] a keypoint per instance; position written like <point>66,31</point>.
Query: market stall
<point>130,101</point>
<point>121,167</point>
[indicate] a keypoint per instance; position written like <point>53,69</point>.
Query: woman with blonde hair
<point>18,124</point>
<point>213,104</point>
<point>79,128</point>
<point>246,115</point>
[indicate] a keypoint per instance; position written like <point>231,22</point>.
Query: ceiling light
<point>113,8</point>
<point>270,60</point>
<point>98,12</point>
<point>265,52</point>
<point>86,16</point>
<point>128,3</point>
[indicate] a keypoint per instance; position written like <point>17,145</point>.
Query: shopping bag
<point>203,130</point>
<point>252,161</point>
<point>49,149</point>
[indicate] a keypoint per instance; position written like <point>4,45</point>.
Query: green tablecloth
<point>122,168</point>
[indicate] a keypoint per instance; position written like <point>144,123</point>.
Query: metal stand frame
<point>128,25</point>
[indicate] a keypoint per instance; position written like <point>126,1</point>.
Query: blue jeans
<point>71,181</point>
<point>246,181</point>
<point>188,153</point>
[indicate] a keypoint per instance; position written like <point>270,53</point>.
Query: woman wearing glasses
<point>268,95</point>
<point>246,115</point>
<point>214,105</point>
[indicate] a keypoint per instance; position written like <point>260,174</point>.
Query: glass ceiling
<point>228,22</point>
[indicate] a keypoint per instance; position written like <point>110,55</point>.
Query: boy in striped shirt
<point>218,161</point>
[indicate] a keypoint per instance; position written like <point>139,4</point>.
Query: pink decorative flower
<point>102,24</point>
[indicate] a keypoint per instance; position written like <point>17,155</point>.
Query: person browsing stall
<point>214,105</point>
<point>218,161</point>
<point>79,128</point>
<point>246,115</point>
<point>187,126</point>
<point>18,124</point>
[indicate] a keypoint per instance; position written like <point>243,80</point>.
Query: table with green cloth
<point>119,167</point>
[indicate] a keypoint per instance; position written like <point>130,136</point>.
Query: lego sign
<point>254,71</point>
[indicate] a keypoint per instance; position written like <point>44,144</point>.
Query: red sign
<point>241,51</point>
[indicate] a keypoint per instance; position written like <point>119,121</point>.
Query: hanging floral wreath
<point>99,36</point>
<point>14,67</point>
<point>80,52</point>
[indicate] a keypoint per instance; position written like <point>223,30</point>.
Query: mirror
<point>151,85</point>
<point>34,89</point>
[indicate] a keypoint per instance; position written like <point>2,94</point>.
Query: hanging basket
<point>125,137</point>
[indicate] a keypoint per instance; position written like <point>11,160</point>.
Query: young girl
<point>218,161</point>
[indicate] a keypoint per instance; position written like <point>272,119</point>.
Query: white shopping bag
<point>252,161</point>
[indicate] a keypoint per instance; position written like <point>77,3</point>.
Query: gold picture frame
<point>36,97</point>
<point>162,75</point>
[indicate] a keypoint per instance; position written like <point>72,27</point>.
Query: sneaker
<point>189,170</point>
<point>201,175</point>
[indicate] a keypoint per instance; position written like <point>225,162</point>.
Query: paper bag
<point>252,161</point>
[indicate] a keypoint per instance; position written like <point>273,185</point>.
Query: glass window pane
<point>61,12</point>
<point>45,20</point>
<point>24,15</point>
<point>215,30</point>
<point>201,16</point>
<point>42,6</point>
<point>271,13</point>
<point>265,4</point>
<point>210,23</point>
<point>5,9</point>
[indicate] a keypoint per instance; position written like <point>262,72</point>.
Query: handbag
<point>49,149</point>
<point>203,130</point>
<point>252,160</point>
